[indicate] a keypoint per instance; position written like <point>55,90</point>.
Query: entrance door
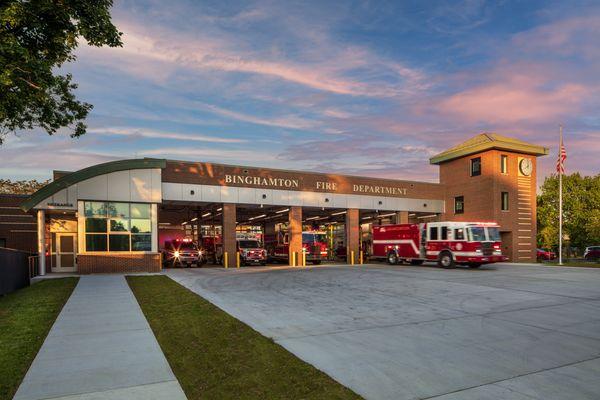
<point>66,243</point>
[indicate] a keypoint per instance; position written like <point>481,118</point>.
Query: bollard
<point>237,255</point>
<point>361,257</point>
<point>303,258</point>
<point>293,258</point>
<point>351,257</point>
<point>225,260</point>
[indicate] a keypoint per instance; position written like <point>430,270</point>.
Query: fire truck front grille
<point>487,248</point>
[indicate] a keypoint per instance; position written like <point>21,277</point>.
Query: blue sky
<point>369,88</point>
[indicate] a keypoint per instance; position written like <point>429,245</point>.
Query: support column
<point>229,240</point>
<point>401,217</point>
<point>295,234</point>
<point>41,236</point>
<point>352,235</point>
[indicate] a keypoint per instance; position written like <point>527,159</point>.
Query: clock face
<point>526,166</point>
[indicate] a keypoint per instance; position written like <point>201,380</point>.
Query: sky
<point>369,88</point>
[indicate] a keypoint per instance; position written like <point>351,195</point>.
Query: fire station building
<point>113,217</point>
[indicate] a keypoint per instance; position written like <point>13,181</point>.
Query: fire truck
<point>448,243</point>
<point>314,245</point>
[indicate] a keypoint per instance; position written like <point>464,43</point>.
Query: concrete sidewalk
<point>100,347</point>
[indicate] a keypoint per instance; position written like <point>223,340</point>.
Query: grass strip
<point>215,356</point>
<point>26,317</point>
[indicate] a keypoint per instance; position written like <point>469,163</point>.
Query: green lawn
<point>215,356</point>
<point>26,316</point>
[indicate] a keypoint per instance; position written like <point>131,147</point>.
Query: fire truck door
<point>423,242</point>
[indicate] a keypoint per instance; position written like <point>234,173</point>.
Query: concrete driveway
<point>501,332</point>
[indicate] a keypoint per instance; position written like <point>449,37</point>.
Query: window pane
<point>140,210</point>
<point>95,243</point>
<point>120,210</point>
<point>94,209</point>
<point>141,242</point>
<point>444,233</point>
<point>118,242</point>
<point>459,205</point>
<point>459,234</point>
<point>476,166</point>
<point>503,164</point>
<point>433,233</point>
<point>95,225</point>
<point>141,226</point>
<point>119,225</point>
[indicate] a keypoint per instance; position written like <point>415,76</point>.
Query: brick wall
<point>17,228</point>
<point>115,263</point>
<point>482,199</point>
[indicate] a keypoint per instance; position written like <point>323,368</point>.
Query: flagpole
<point>560,213</point>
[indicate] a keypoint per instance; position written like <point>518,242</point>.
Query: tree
<point>36,38</point>
<point>581,211</point>
<point>21,187</point>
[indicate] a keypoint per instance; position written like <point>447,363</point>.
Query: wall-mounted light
<point>380,202</point>
<point>192,192</point>
<point>264,196</point>
<point>326,200</point>
<point>424,204</point>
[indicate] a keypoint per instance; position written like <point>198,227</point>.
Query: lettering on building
<point>261,181</point>
<point>329,186</point>
<point>373,189</point>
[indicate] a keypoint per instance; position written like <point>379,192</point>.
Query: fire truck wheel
<point>445,260</point>
<point>392,258</point>
<point>474,265</point>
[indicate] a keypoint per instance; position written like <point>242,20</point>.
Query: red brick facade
<point>482,198</point>
<point>115,263</point>
<point>18,229</point>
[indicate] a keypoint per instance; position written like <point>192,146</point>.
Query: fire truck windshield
<point>312,237</point>
<point>249,244</point>
<point>493,233</point>
<point>476,234</point>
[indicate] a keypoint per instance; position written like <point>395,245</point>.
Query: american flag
<point>562,156</point>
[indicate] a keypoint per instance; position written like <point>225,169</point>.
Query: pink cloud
<point>512,98</point>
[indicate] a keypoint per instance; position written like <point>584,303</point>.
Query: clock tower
<point>493,178</point>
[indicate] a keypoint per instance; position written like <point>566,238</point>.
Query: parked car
<point>182,253</point>
<point>592,253</point>
<point>545,255</point>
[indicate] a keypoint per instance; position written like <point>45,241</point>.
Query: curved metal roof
<point>87,173</point>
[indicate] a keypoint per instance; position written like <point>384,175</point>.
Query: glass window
<point>118,243</point>
<point>140,211</point>
<point>459,234</point>
<point>111,226</point>
<point>120,210</point>
<point>504,201</point>
<point>476,166</point>
<point>476,234</point>
<point>3,242</point>
<point>94,209</point>
<point>119,225</point>
<point>95,242</point>
<point>95,225</point>
<point>493,234</point>
<point>504,163</point>
<point>459,205</point>
<point>433,233</point>
<point>141,242</point>
<point>444,233</point>
<point>141,226</point>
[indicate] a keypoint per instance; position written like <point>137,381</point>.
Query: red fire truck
<point>314,245</point>
<point>448,243</point>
